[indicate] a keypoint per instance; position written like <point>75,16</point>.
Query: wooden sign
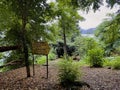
<point>41,48</point>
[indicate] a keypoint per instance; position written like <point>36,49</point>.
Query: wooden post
<point>33,65</point>
<point>47,66</point>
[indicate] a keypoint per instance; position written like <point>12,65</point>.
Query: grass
<point>83,63</point>
<point>41,60</point>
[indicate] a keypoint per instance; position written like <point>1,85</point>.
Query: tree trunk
<point>24,15</point>
<point>25,47</point>
<point>65,46</point>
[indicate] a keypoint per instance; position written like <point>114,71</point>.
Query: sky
<point>92,19</point>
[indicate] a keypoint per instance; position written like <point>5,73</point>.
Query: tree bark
<point>65,46</point>
<point>25,47</point>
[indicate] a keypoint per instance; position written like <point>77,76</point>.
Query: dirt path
<point>97,78</point>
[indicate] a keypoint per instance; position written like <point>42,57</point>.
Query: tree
<point>29,16</point>
<point>67,20</point>
<point>108,33</point>
<point>86,5</point>
<point>95,4</point>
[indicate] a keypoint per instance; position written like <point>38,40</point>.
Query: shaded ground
<point>97,78</point>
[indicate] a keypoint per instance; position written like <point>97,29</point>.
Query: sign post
<point>47,65</point>
<point>41,48</point>
<point>33,65</point>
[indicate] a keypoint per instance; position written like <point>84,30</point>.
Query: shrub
<point>68,72</point>
<point>95,57</point>
<point>113,62</point>
<point>108,61</point>
<point>116,63</point>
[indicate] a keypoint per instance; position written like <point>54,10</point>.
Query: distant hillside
<point>88,31</point>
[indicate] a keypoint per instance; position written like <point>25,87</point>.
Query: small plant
<point>68,72</point>
<point>116,63</point>
<point>95,57</point>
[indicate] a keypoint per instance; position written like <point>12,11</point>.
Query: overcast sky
<point>94,19</point>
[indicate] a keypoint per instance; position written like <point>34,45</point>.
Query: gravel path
<point>97,78</point>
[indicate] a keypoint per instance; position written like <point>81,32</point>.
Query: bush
<point>41,60</point>
<point>107,63</point>
<point>116,63</point>
<point>51,56</point>
<point>68,72</point>
<point>113,62</point>
<point>95,57</point>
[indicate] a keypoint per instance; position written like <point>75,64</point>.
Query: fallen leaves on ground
<point>97,78</point>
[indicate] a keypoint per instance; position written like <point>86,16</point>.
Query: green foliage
<point>1,55</point>
<point>116,63</point>
<point>108,61</point>
<point>108,33</point>
<point>112,62</point>
<point>24,21</point>
<point>51,56</point>
<point>67,20</point>
<point>83,62</point>
<point>6,16</point>
<point>87,5</point>
<point>95,57</point>
<point>84,44</point>
<point>68,72</point>
<point>13,35</point>
<point>90,4</point>
<point>41,60</point>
